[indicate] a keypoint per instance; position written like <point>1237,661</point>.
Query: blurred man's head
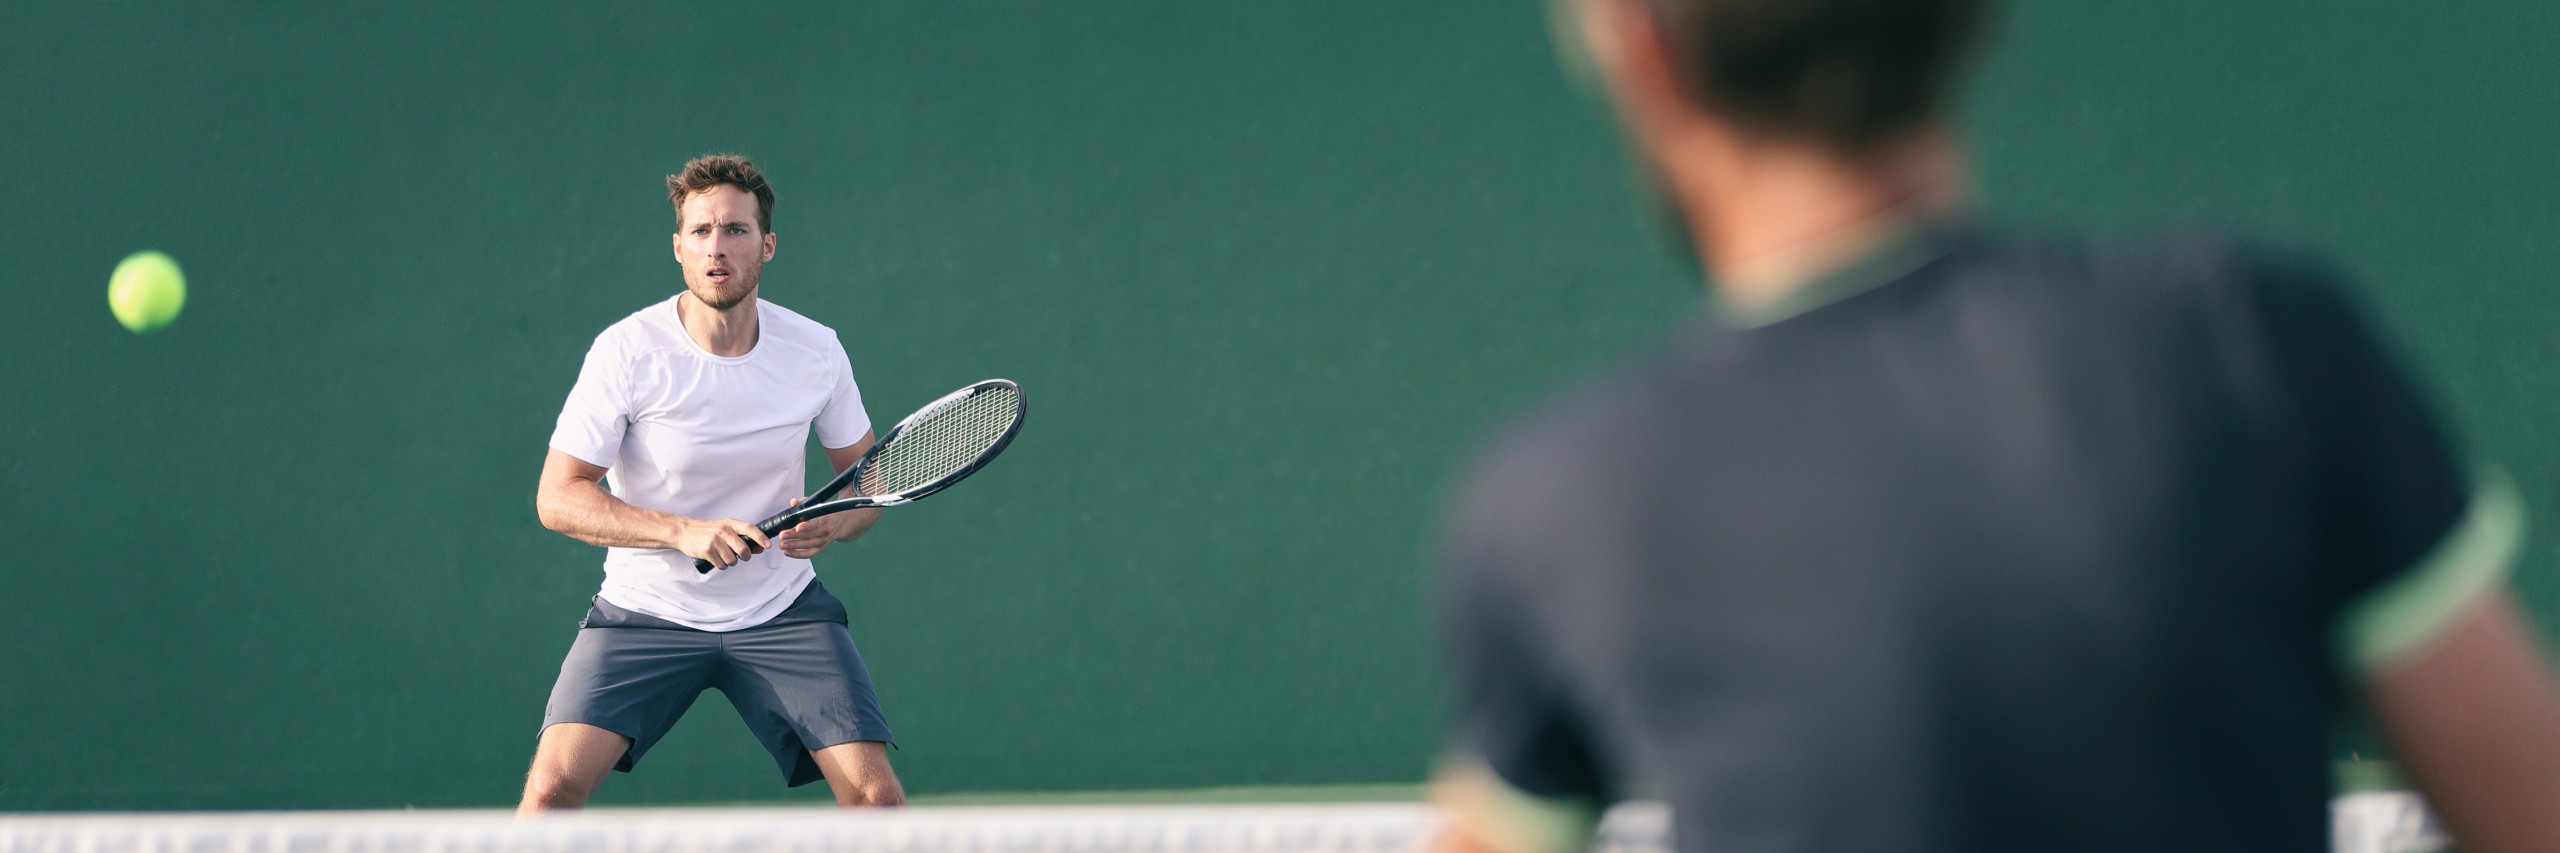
<point>1772,114</point>
<point>1853,75</point>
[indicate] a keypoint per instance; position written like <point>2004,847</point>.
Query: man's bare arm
<point>572,500</point>
<point>2476,721</point>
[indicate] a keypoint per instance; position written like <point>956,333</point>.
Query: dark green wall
<point>1261,267</point>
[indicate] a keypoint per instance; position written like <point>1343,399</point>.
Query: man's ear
<point>1645,65</point>
<point>1575,25</point>
<point>768,246</point>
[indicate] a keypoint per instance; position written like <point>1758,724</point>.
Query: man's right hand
<point>725,542</point>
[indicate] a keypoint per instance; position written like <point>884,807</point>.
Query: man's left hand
<point>806,539</point>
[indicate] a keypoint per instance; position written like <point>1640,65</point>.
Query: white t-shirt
<point>683,431</point>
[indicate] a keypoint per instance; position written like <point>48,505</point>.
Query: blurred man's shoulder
<point>2183,267</point>
<point>1571,434</point>
<point>2015,293</point>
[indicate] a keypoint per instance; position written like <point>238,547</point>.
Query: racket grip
<point>704,566</point>
<point>772,527</point>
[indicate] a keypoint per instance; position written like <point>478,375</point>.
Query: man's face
<point>721,247</point>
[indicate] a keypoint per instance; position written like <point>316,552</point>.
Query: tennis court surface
<point>2365,822</point>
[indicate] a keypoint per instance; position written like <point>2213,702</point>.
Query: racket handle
<point>702,566</point>
<point>772,527</point>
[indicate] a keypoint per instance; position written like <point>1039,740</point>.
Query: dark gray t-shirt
<point>2033,547</point>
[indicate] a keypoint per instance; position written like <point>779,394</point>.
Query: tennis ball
<point>146,291</point>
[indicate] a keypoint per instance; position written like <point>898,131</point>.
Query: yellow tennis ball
<point>146,291</point>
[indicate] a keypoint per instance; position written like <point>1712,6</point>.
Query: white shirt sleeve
<point>598,411</point>
<point>843,421</point>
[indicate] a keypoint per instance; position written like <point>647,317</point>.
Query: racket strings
<point>942,442</point>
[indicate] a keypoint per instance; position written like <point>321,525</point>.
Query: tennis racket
<point>937,446</point>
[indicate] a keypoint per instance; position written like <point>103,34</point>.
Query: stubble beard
<point>711,295</point>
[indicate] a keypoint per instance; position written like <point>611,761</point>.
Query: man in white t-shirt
<point>701,409</point>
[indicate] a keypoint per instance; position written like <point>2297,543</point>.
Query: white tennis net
<point>2364,823</point>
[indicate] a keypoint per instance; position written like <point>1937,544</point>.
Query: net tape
<point>2361,823</point>
<point>943,441</point>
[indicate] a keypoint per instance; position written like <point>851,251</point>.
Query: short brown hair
<point>710,170</point>
<point>1848,73</point>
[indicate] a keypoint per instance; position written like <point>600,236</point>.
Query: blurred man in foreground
<point>1940,540</point>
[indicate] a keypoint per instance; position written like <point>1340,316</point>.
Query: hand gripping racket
<point>935,447</point>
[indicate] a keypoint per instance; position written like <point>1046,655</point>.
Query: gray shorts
<point>796,680</point>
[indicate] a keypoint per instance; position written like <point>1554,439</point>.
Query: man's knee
<point>860,775</point>
<point>871,794</point>
<point>546,789</point>
<point>568,763</point>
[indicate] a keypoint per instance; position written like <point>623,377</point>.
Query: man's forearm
<point>586,512</point>
<point>857,522</point>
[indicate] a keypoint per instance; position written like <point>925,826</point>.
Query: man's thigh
<point>633,682</point>
<point>801,688</point>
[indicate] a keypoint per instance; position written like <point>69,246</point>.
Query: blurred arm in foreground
<point>2476,721</point>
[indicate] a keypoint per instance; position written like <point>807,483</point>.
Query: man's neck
<point>1770,279</point>
<point>727,334</point>
<point>1767,216</point>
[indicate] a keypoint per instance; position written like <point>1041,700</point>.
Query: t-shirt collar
<point>674,316</point>
<point>1889,246</point>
